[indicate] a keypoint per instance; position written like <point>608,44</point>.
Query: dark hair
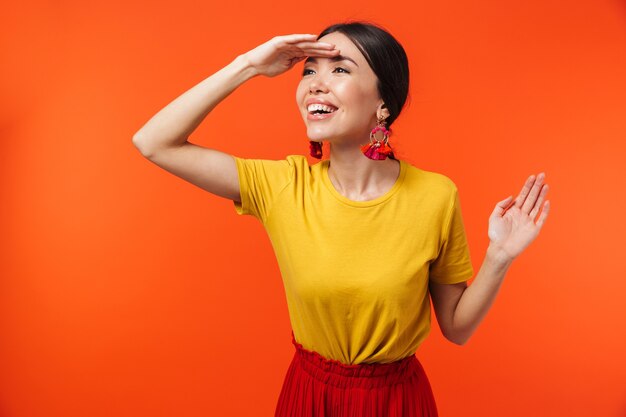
<point>385,56</point>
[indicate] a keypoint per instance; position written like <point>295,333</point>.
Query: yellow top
<point>356,273</point>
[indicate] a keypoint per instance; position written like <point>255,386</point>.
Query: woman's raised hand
<point>512,225</point>
<point>281,53</point>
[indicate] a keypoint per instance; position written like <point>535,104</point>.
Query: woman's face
<point>348,86</point>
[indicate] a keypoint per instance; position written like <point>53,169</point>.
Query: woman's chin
<point>317,134</point>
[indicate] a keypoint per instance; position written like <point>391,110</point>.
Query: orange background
<point>126,291</point>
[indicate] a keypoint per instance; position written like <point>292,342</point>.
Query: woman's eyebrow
<point>332,59</point>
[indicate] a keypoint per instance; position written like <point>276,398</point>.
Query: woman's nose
<point>317,83</point>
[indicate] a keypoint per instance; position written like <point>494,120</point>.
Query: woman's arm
<point>163,139</point>
<point>173,124</point>
<point>512,227</point>
<point>460,308</point>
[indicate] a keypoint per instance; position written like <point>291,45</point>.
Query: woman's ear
<point>383,112</point>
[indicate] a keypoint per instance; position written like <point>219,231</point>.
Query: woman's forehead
<point>337,38</point>
<point>346,46</point>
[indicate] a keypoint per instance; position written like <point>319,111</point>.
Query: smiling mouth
<point>322,111</point>
<point>320,115</point>
<point>318,109</point>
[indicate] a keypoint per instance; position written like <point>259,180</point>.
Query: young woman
<point>363,239</point>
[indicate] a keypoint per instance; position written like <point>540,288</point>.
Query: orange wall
<point>125,291</point>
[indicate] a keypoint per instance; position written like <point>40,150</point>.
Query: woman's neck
<point>359,178</point>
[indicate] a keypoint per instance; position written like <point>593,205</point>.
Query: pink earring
<point>315,149</point>
<point>378,149</point>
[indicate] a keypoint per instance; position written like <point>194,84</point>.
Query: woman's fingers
<point>306,52</point>
<point>530,201</point>
<point>320,52</point>
<point>519,200</point>
<point>544,214</point>
<point>315,45</point>
<point>296,37</point>
<point>312,48</point>
<point>502,206</point>
<point>542,195</point>
<point>302,40</point>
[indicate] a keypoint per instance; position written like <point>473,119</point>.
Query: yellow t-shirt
<point>356,273</point>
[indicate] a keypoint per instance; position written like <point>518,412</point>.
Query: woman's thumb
<point>502,205</point>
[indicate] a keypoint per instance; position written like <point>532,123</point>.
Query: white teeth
<point>317,106</point>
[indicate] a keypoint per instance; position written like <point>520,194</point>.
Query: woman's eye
<point>306,71</point>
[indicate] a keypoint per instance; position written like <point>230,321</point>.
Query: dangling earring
<point>315,149</point>
<point>378,149</point>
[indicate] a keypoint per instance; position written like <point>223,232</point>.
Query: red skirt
<point>318,387</point>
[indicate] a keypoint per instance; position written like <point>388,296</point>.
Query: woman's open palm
<point>281,53</point>
<point>512,225</point>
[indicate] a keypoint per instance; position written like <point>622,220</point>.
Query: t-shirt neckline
<point>329,185</point>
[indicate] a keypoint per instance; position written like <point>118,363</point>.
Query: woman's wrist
<point>497,256</point>
<point>242,63</point>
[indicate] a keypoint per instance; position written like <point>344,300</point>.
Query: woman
<point>362,238</point>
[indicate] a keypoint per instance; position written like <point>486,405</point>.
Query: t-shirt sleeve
<point>453,264</point>
<point>260,183</point>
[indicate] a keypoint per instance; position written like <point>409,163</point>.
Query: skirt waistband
<point>365,375</point>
